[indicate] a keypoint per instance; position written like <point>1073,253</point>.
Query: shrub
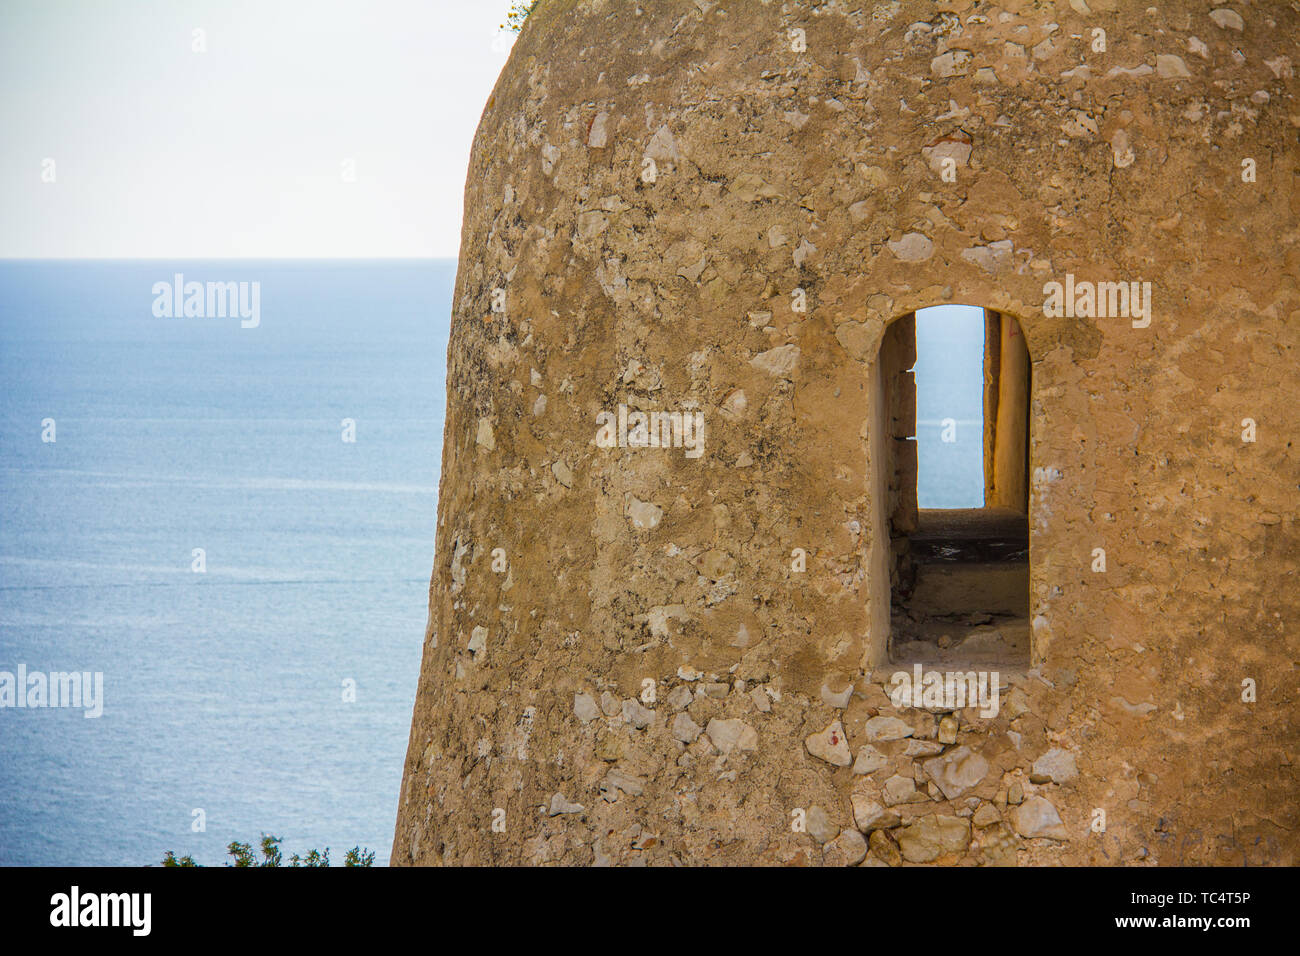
<point>518,14</point>
<point>242,854</point>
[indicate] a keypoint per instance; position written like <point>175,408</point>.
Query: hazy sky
<point>162,151</point>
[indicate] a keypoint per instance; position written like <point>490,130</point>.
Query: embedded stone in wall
<point>847,849</point>
<point>869,815</point>
<point>820,827</point>
<point>957,771</point>
<point>933,836</point>
<point>732,735</point>
<point>1037,818</point>
<point>830,745</point>
<point>887,728</point>
<point>1055,766</point>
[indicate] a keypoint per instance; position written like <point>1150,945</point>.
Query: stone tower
<point>682,586</point>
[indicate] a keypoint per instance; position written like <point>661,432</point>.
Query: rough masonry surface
<point>717,207</point>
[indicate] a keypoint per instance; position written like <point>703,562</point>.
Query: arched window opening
<point>953,486</point>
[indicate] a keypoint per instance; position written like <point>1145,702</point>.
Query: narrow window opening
<point>955,385</point>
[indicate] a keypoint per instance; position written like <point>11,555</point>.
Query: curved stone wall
<point>714,209</point>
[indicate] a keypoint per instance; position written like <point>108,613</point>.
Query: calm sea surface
<point>224,691</point>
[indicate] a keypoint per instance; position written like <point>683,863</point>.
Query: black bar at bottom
<point>534,907</point>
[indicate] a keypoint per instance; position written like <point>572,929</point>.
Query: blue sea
<point>949,376</point>
<point>270,692</point>
<point>224,691</point>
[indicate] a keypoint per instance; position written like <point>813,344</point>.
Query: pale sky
<point>160,151</point>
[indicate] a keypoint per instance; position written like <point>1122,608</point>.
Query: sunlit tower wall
<point>704,218</point>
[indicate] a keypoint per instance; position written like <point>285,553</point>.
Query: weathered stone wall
<point>778,169</point>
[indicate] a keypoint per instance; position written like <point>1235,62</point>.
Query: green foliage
<point>242,855</point>
<point>518,14</point>
<point>359,857</point>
